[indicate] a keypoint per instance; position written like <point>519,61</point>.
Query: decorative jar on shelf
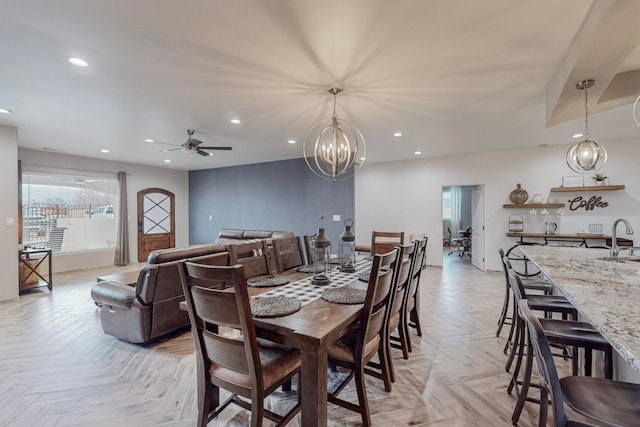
<point>519,196</point>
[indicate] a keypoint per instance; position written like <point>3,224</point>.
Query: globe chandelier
<point>587,155</point>
<point>334,148</point>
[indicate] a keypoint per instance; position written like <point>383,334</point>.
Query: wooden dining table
<point>311,330</point>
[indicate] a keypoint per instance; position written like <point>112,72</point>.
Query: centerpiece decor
<point>347,248</point>
<point>320,253</point>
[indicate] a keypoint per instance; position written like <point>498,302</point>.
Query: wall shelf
<point>588,188</point>
<point>533,205</point>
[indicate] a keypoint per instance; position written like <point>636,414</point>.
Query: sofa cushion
<point>176,254</point>
<point>257,234</point>
<point>230,233</point>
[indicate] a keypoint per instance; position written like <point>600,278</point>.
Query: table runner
<point>306,292</point>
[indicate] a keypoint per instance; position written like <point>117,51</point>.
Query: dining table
<point>606,292</point>
<point>312,329</point>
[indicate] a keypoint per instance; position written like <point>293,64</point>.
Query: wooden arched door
<point>156,221</point>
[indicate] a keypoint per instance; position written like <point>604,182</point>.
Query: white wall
<point>407,195</point>
<point>138,178</point>
<point>9,209</point>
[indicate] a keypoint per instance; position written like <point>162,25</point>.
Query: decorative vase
<point>519,196</point>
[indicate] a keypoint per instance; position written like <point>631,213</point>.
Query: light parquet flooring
<point>57,368</point>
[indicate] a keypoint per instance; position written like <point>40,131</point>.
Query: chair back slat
<point>406,256</point>
<point>253,256</point>
<point>376,305</point>
<point>384,241</point>
<point>287,253</point>
<point>226,352</point>
<point>416,270</point>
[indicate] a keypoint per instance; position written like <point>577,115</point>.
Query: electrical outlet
<point>11,221</point>
<point>210,217</point>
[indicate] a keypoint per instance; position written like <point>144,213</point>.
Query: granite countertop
<point>607,293</point>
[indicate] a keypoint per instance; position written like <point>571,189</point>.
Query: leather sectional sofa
<point>150,309</point>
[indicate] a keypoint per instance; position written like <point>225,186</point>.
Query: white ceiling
<point>454,76</point>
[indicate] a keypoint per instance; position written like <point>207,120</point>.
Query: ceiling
<point>454,76</point>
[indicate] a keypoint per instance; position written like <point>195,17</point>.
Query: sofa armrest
<point>113,294</point>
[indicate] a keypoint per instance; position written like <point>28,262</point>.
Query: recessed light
<point>104,150</point>
<point>78,62</point>
<point>397,134</point>
<point>5,111</point>
<point>211,154</point>
<point>149,140</point>
<point>417,153</point>
<point>578,135</point>
<point>235,121</point>
<point>167,161</point>
<point>291,141</point>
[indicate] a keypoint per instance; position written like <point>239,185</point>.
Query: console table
<point>31,263</point>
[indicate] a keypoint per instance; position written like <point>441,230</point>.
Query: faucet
<point>615,250</point>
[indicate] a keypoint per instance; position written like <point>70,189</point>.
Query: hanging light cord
<point>586,113</point>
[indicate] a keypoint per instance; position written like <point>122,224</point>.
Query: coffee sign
<point>588,205</point>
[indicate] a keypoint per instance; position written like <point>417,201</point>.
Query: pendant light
<point>587,155</point>
<point>332,147</point>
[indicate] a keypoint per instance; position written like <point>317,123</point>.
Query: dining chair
<point>603,400</point>
<point>384,241</point>
<point>239,363</point>
<point>564,333</point>
<point>406,255</point>
<point>530,284</point>
<point>355,349</point>
<point>411,312</point>
<point>254,256</point>
<point>288,253</point>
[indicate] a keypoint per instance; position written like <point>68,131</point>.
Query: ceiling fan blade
<point>216,148</point>
<point>202,152</point>
<point>165,143</point>
<point>172,149</point>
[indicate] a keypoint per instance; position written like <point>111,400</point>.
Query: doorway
<point>156,221</point>
<point>463,225</point>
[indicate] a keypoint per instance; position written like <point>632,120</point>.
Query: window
<point>68,213</point>
<point>447,204</point>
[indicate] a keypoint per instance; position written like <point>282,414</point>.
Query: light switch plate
<point>336,217</point>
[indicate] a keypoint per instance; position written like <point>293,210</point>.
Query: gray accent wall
<point>283,195</point>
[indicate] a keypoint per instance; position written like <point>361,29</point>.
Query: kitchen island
<point>606,293</point>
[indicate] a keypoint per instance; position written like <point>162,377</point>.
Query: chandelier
<point>332,146</point>
<point>587,155</point>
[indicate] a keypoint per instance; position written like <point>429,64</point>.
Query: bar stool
<point>530,284</point>
<point>561,332</point>
<point>600,399</point>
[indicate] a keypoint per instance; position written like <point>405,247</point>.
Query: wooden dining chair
<point>288,253</point>
<point>614,403</point>
<point>406,255</point>
<point>384,241</point>
<point>411,312</point>
<point>254,256</point>
<point>354,350</point>
<point>239,363</point>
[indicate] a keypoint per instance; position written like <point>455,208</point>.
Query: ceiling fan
<point>192,145</point>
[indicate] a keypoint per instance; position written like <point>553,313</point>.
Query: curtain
<point>122,235</point>
<point>456,209</point>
